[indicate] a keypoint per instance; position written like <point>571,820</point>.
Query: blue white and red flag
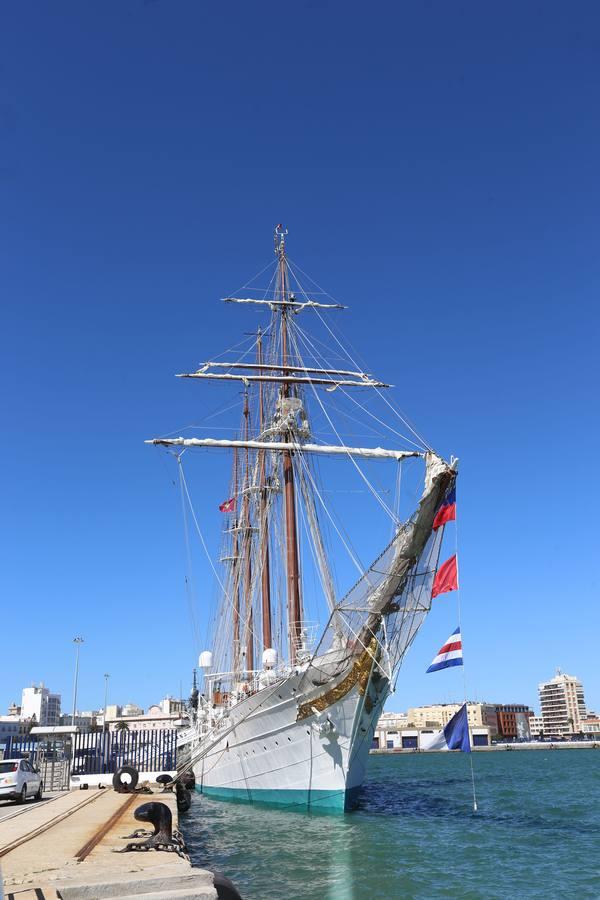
<point>450,654</point>
<point>447,511</point>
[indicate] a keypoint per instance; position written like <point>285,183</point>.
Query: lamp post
<point>106,677</point>
<point>77,641</point>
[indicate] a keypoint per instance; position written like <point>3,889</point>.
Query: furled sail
<point>325,449</point>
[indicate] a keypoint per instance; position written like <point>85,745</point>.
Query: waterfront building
<point>591,725</point>
<point>149,722</point>
<point>562,703</point>
<point>513,720</point>
<point>12,727</point>
<point>536,726</point>
<point>38,703</point>
<point>403,731</point>
<point>435,716</point>
<point>390,729</point>
<point>85,720</point>
<point>171,705</point>
<point>132,709</point>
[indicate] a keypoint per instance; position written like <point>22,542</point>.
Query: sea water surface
<point>536,834</point>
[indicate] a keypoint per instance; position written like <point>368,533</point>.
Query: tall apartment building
<point>39,702</point>
<point>562,704</point>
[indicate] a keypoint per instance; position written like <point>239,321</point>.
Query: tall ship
<point>306,641</point>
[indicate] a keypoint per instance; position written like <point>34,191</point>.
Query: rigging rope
<point>396,412</point>
<point>203,542</point>
<point>464,673</point>
<point>189,577</point>
<point>382,503</point>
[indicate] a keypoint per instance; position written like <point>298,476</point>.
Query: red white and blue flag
<point>450,654</point>
<point>447,511</point>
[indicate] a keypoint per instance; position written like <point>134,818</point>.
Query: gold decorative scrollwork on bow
<point>358,674</point>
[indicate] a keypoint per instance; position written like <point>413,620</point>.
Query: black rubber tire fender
<point>124,787</point>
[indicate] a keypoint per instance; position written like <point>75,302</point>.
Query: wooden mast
<point>235,569</point>
<point>264,525</point>
<point>292,567</point>
<point>247,547</point>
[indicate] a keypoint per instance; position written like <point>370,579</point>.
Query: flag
<point>450,654</point>
<point>455,735</point>
<point>228,505</point>
<point>447,511</point>
<point>446,578</point>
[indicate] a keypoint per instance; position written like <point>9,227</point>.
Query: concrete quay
<point>9,809</point>
<point>65,849</point>
<point>492,748</point>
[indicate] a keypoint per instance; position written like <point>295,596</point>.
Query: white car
<point>19,780</point>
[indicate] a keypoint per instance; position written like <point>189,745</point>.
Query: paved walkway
<point>67,844</point>
<point>8,808</point>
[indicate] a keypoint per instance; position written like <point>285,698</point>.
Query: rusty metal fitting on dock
<point>163,837</point>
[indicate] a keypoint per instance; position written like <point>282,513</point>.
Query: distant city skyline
<point>578,689</point>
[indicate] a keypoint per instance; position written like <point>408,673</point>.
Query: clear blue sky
<point>437,165</point>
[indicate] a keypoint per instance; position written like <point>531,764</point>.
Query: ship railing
<point>304,639</point>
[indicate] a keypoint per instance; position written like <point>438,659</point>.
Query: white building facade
<point>536,726</point>
<point>37,702</point>
<point>562,704</point>
<point>12,727</point>
<point>405,731</point>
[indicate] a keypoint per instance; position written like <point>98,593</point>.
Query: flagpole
<point>462,639</point>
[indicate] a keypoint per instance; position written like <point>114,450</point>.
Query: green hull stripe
<point>332,800</point>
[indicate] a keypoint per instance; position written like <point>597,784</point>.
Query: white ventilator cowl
<point>269,658</point>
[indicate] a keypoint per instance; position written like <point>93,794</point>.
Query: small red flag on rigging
<point>228,505</point>
<point>446,578</point>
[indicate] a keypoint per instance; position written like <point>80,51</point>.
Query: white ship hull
<point>279,754</point>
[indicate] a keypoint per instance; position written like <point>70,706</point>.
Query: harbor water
<point>536,834</point>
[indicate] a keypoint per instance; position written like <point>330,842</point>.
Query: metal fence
<point>151,750</point>
<point>148,751</point>
<point>20,747</point>
<point>51,757</point>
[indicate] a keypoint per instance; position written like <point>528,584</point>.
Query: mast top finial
<point>280,233</point>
